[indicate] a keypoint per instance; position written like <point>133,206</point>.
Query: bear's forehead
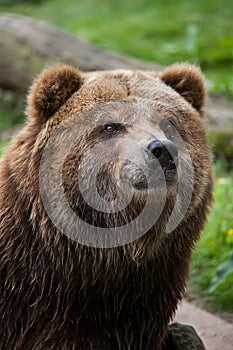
<point>120,85</point>
<point>127,83</point>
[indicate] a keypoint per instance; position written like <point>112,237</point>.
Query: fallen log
<point>28,45</point>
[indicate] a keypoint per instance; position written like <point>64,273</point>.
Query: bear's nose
<point>165,152</point>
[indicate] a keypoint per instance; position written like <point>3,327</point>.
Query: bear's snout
<point>165,152</point>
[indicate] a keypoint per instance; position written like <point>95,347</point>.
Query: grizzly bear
<point>103,195</point>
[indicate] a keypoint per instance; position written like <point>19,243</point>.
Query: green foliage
<point>11,110</point>
<point>224,274</point>
<point>212,260</point>
<point>222,143</point>
<point>160,31</point>
<point>16,2</point>
<point>2,146</point>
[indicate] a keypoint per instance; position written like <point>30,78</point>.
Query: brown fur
<point>58,294</point>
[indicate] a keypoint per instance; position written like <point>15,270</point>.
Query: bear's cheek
<point>195,164</point>
<point>91,174</point>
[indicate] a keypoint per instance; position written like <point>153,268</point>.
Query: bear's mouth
<point>143,180</point>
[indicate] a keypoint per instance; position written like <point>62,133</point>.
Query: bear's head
<point>119,154</point>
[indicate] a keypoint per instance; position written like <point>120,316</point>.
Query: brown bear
<point>103,195</point>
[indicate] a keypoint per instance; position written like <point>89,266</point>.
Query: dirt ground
<point>216,333</point>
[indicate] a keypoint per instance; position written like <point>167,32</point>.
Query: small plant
<point>224,271</point>
<point>223,274</point>
<point>212,269</point>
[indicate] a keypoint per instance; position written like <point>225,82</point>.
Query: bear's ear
<point>188,81</point>
<point>51,90</point>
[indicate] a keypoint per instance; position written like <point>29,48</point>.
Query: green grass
<point>216,245</point>
<point>161,31</point>
<point>11,110</point>
<point>2,146</point>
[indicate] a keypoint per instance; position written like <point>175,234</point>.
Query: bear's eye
<point>168,128</point>
<point>110,128</point>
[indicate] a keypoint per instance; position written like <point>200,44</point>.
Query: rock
<point>182,337</point>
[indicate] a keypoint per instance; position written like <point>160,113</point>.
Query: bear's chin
<point>153,186</point>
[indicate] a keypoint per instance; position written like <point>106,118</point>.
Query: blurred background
<point>161,32</point>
